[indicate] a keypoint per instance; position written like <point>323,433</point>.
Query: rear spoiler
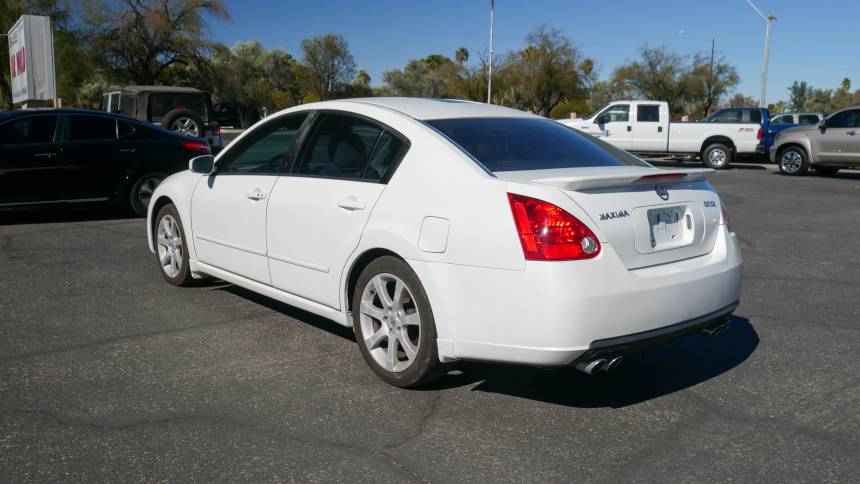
<point>587,182</point>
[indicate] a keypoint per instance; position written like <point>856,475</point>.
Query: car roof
<point>143,88</point>
<point>24,112</point>
<point>428,109</point>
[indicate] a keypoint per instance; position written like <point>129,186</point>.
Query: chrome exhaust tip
<point>590,366</point>
<point>613,363</point>
<point>716,330</point>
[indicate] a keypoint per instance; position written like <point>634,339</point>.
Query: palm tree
<point>462,55</point>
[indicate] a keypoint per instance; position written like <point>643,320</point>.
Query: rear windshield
<point>515,144</point>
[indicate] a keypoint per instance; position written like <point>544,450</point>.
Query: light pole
<point>680,32</point>
<point>768,20</point>
<point>490,66</point>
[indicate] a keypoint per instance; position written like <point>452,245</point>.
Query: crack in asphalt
<point>127,337</point>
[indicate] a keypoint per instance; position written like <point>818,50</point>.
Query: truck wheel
<point>826,170</point>
<point>717,156</point>
<point>792,161</point>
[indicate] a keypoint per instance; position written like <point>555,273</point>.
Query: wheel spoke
<point>412,319</point>
<point>163,240</point>
<point>373,340</point>
<point>176,263</point>
<point>382,292</point>
<point>391,359</point>
<point>398,295</point>
<point>407,346</point>
<point>371,310</point>
<point>165,259</point>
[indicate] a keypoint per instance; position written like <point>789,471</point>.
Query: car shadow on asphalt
<point>643,376</point>
<point>62,215</point>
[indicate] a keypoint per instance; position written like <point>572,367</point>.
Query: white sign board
<point>31,59</point>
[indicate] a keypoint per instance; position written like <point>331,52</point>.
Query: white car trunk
<point>648,216</point>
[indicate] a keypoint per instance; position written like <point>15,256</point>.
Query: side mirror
<point>204,164</point>
<point>822,124</point>
<point>599,120</point>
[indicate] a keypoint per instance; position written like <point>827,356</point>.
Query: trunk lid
<point>649,216</point>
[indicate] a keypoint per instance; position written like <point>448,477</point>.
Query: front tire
<point>717,156</point>
<point>793,161</point>
<point>171,250</point>
<point>394,324</point>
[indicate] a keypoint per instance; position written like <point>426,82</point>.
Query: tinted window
<point>808,119</point>
<point>755,116</point>
<point>161,103</point>
<point>386,153</point>
<point>32,129</point>
<point>91,128</point>
<point>123,128</point>
<point>126,105</point>
<point>339,147</point>
<point>728,116</point>
<point>512,144</point>
<point>619,113</point>
<point>784,119</point>
<point>845,119</point>
<point>648,114</point>
<point>266,149</point>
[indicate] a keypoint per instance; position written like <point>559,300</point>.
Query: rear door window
<point>755,116</point>
<point>91,128</point>
<point>339,147</point>
<point>32,129</point>
<point>784,119</point>
<point>728,116</point>
<point>648,113</point>
<point>126,104</point>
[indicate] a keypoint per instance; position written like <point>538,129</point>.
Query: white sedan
<point>446,230</point>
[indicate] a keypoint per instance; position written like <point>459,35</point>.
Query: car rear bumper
<point>553,313</point>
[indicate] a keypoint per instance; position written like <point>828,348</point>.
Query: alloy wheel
<point>145,190</point>
<point>791,161</point>
<point>390,322</point>
<point>717,157</point>
<point>186,126</point>
<point>169,241</point>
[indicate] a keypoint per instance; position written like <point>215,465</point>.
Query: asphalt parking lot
<point>107,373</point>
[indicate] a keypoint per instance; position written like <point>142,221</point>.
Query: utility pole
<point>490,66</point>
<point>768,20</point>
<point>713,41</point>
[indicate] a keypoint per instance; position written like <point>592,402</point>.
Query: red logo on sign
<point>19,63</point>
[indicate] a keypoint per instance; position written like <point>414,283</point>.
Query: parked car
<point>826,147</point>
<point>182,109</point>
<point>443,230</point>
<point>644,127</point>
<point>785,121</point>
<point>67,156</point>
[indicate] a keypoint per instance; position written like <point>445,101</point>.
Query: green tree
<point>657,75</point>
<point>139,39</point>
<point>708,84</point>
<point>741,101</point>
<point>329,63</point>
<point>461,55</point>
<point>799,94</point>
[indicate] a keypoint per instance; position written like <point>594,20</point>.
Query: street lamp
<point>490,66</point>
<point>768,20</point>
<point>680,32</point>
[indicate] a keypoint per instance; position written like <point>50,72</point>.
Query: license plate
<point>668,225</point>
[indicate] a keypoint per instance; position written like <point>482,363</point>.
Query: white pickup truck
<point>643,127</point>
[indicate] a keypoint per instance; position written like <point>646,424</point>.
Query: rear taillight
<point>547,232</point>
<point>216,129</point>
<point>200,146</point>
<point>758,135</point>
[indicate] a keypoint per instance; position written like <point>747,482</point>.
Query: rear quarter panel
<point>690,137</point>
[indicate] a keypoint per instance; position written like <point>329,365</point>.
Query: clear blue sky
<point>813,40</point>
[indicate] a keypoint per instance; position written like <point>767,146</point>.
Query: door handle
<point>256,195</point>
<point>128,150</point>
<point>45,155</point>
<point>630,128</point>
<point>351,204</point>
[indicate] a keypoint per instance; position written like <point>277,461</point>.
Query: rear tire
<point>140,193</point>
<point>171,249</point>
<point>826,170</point>
<point>394,325</point>
<point>717,156</point>
<point>792,161</point>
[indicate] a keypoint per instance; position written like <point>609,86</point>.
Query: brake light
<point>758,135</point>
<point>547,232</point>
<point>216,129</point>
<point>200,146</point>
<point>661,176</point>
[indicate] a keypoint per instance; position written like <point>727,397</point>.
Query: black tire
<point>140,192</point>
<point>182,277</point>
<point>176,121</point>
<point>826,170</point>
<point>425,366</point>
<point>717,156</point>
<point>792,161</point>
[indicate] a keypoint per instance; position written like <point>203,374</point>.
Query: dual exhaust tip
<point>599,364</point>
<point>716,329</point>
